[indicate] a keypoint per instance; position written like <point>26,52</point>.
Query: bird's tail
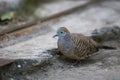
<point>106,47</point>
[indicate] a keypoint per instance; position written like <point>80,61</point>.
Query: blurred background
<point>21,17</point>
<point>27,46</point>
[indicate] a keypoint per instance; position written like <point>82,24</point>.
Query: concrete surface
<point>103,66</point>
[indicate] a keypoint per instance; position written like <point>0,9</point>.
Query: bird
<point>76,45</point>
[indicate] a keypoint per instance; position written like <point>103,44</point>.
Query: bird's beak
<point>55,35</point>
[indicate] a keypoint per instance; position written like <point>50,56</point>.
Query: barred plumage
<point>77,46</point>
<point>83,46</point>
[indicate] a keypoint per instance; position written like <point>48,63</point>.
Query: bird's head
<point>61,32</point>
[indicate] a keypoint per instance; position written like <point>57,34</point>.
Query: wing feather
<point>83,45</point>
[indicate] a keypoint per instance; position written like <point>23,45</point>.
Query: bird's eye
<point>61,32</point>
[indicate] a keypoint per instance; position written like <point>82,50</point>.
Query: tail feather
<point>107,47</point>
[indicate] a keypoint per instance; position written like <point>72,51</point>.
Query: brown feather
<point>82,46</point>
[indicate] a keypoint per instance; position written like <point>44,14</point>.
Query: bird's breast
<point>65,46</point>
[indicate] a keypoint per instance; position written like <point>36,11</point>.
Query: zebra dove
<point>77,46</point>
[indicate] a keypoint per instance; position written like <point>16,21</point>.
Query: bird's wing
<point>83,45</point>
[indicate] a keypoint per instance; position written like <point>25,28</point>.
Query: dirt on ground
<point>37,58</point>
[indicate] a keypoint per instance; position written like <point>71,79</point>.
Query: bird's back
<point>83,45</point>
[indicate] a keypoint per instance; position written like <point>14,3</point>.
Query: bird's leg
<point>76,62</point>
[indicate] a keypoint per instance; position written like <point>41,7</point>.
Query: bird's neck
<point>66,42</point>
<point>65,38</point>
